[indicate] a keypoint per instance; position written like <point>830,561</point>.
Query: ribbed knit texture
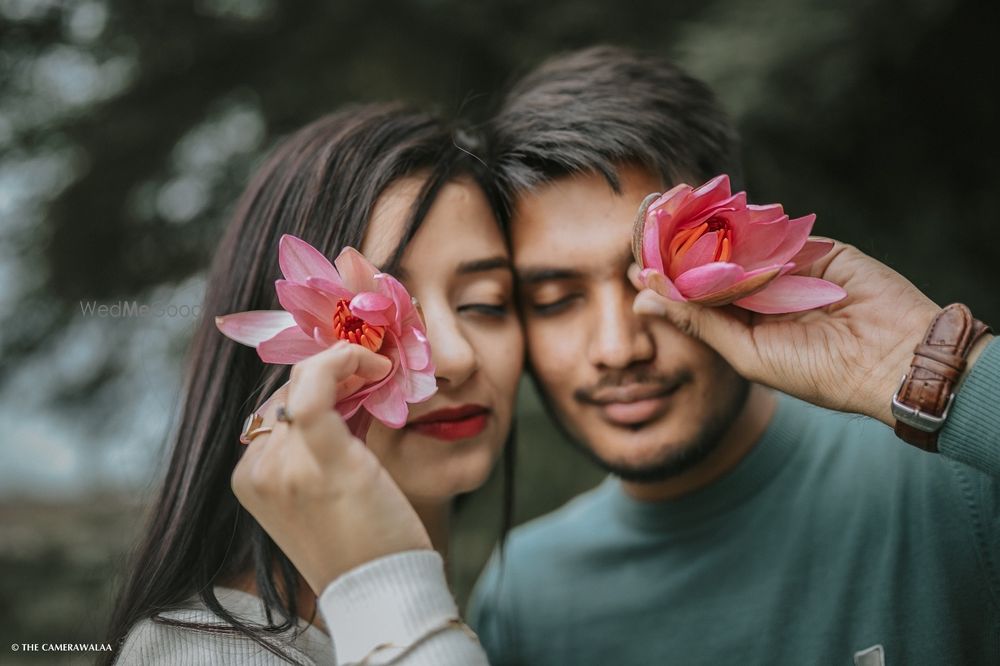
<point>972,431</point>
<point>393,599</point>
<point>832,536</point>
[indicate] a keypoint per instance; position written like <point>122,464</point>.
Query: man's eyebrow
<point>532,275</point>
<point>535,274</point>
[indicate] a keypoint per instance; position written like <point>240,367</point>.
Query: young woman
<point>322,512</point>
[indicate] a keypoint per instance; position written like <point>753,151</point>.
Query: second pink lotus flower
<point>710,247</point>
<point>348,300</point>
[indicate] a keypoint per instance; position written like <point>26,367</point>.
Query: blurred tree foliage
<point>128,128</point>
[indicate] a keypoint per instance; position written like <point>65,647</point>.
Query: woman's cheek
<point>502,355</point>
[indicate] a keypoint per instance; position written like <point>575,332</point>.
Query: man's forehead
<point>576,223</point>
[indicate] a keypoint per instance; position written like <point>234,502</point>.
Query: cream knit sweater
<point>401,601</point>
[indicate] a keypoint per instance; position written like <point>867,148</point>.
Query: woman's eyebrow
<point>482,265</point>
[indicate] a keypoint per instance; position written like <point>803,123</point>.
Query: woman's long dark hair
<point>320,184</point>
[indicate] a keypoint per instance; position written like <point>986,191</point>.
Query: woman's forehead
<point>390,217</point>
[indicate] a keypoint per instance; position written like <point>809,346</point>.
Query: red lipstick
<point>452,423</point>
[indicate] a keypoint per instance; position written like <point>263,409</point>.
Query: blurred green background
<point>127,129</point>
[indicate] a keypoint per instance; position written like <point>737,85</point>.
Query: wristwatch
<point>924,398</point>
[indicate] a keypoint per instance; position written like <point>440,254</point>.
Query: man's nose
<point>619,336</point>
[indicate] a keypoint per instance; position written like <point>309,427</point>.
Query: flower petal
<point>702,252</point>
<point>300,260</point>
<point>669,201</point>
<point>310,307</point>
<point>810,252</point>
<point>416,350</point>
<point>420,386</point>
<point>289,346</point>
<point>661,284</point>
<point>707,279</point>
<point>794,240</point>
<point>253,327</point>
<point>356,272</point>
<point>792,293</point>
<point>374,308</point>
<point>388,405</point>
<point>714,191</point>
<point>750,283</point>
<point>757,244</point>
<point>652,252</point>
<point>335,290</point>
<point>406,314</point>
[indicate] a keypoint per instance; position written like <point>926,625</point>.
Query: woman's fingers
<point>313,390</point>
<point>309,396</point>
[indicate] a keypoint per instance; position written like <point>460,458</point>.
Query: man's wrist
<point>923,401</point>
<point>974,353</point>
<point>897,364</point>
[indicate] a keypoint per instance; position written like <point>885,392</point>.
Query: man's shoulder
<point>838,454</point>
<point>547,548</point>
<point>538,559</point>
<point>566,528</point>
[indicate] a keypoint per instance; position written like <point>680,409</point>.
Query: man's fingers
<point>633,277</point>
<point>716,327</point>
<point>648,302</point>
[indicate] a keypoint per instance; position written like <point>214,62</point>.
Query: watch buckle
<point>913,417</point>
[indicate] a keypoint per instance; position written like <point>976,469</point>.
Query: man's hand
<point>849,356</point>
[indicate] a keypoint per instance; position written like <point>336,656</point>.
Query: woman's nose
<point>454,357</point>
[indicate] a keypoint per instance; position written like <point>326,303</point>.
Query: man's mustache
<point>640,381</point>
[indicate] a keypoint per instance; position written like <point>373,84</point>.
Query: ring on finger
<point>252,427</point>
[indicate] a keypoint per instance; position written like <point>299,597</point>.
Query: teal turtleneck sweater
<point>832,542</point>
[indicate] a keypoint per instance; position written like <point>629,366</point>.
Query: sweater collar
<point>760,466</point>
<point>311,640</point>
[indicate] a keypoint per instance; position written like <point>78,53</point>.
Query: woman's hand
<point>849,356</point>
<point>317,490</point>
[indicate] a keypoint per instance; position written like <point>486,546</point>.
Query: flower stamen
<point>356,330</point>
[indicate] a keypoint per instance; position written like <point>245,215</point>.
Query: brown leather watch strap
<point>924,397</point>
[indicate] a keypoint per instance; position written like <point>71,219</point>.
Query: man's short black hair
<point>597,109</point>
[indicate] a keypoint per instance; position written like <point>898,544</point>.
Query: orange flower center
<point>349,327</point>
<point>684,240</point>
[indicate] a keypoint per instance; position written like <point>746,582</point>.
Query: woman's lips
<point>452,423</point>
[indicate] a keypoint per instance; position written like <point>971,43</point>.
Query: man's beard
<point>677,459</point>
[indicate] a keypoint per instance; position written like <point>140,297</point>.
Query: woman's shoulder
<point>159,642</point>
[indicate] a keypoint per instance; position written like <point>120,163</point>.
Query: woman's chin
<point>442,481</point>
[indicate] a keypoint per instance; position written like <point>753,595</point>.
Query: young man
<point>739,525</point>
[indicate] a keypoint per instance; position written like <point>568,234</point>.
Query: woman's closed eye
<point>497,310</point>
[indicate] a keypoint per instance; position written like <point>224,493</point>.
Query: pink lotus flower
<point>710,247</point>
<point>348,300</point>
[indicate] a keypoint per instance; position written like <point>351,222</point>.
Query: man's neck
<point>737,442</point>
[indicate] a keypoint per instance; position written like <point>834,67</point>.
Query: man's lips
<point>630,393</point>
<point>632,404</point>
<point>452,423</point>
